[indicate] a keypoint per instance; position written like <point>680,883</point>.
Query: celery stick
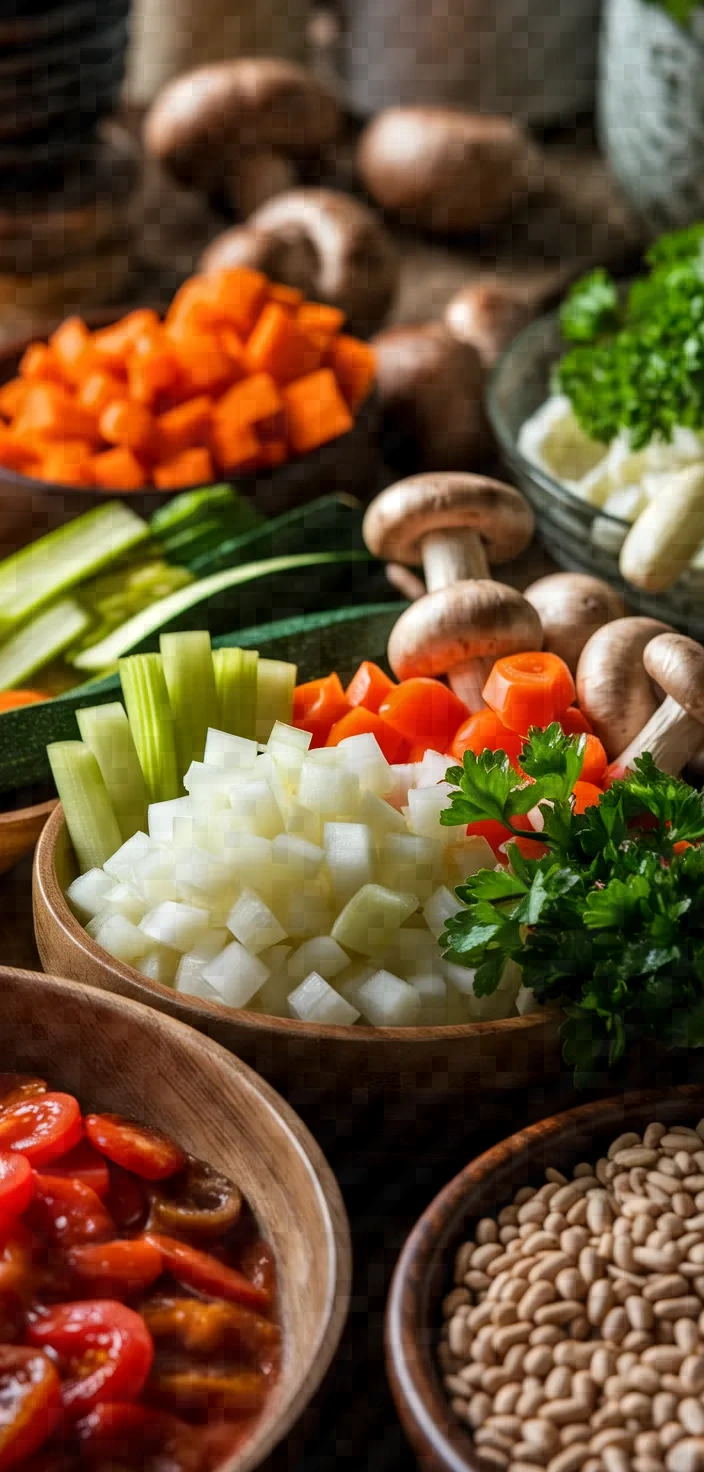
<point>188,670</point>
<point>150,620</point>
<point>151,720</point>
<point>91,822</point>
<point>63,558</point>
<point>106,730</point>
<point>40,641</point>
<point>275,685</point>
<point>236,684</point>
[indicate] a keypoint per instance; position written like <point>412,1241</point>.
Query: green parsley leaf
<point>485,783</point>
<point>591,308</point>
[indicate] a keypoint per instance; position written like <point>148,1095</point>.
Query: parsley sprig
<point>609,925</point>
<point>638,360</point>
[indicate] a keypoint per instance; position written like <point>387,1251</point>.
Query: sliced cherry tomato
<point>426,712</point>
<point>595,761</point>
<point>574,722</point>
<point>529,689</point>
<point>318,705</point>
<point>30,1402</point>
<point>84,1163</point>
<point>484,731</point>
<point>14,1087</point>
<point>359,722</point>
<point>207,1274</point>
<point>259,1265</point>
<point>496,835</point>
<point>682,846</point>
<point>16,1265</point>
<point>369,686</point>
<point>125,1431</point>
<point>210,1387</point>
<point>105,1348</point>
<point>70,1211</point>
<point>585,795</point>
<point>16,1183</point>
<point>117,1267</point>
<point>126,1200</point>
<point>145,1152</point>
<point>205,1329</point>
<point>41,1128</point>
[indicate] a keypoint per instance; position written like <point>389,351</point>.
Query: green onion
<point>152,722</point>
<point>57,562</point>
<point>275,685</point>
<point>106,731</point>
<point>236,685</point>
<point>91,822</point>
<point>150,620</point>
<point>41,640</point>
<point>190,681</point>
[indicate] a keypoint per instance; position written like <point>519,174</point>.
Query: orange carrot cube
<point>130,425</point>
<point>118,470</point>
<point>192,467</point>
<point>12,396</point>
<point>185,427</point>
<point>100,389</point>
<point>68,464</point>
<point>278,347</point>
<point>315,411</point>
<point>354,366</point>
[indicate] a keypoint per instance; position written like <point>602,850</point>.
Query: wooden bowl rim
<point>324,1188</point>
<point>60,914</point>
<point>11,816</point>
<point>438,1439</point>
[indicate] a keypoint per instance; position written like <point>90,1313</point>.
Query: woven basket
<point>651,110</point>
<point>534,59</point>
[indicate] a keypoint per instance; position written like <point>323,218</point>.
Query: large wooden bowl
<point>19,831</point>
<point>473,1057</point>
<point>117,1056</point>
<point>424,1270</point>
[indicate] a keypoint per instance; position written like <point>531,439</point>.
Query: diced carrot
<point>205,366</point>
<point>15,454</point>
<point>369,686</point>
<point>235,446</point>
<point>485,732</point>
<point>190,468</point>
<point>680,847</point>
<point>238,296</point>
<point>39,361</point>
<point>286,296</point>
<point>595,761</point>
<point>278,347</point>
<point>49,410</point>
<point>360,722</point>
<point>12,396</point>
<point>130,425</point>
<point>272,454</point>
<point>252,401</point>
<point>100,389</point>
<point>153,366</point>
<point>118,470</point>
<point>68,464</point>
<point>324,321</point>
<point>191,310</point>
<point>529,689</point>
<point>185,426</point>
<point>114,343</point>
<point>316,411</point>
<point>574,722</point>
<point>586,795</point>
<point>317,705</point>
<point>354,365</point>
<point>73,347</point>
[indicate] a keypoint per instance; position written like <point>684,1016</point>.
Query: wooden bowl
<point>19,831</point>
<point>424,1271</point>
<point>474,1057</point>
<point>117,1056</point>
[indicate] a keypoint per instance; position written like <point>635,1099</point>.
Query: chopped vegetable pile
<point>137,1326</point>
<point>241,375</point>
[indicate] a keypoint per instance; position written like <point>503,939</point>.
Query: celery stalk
<point>150,620</point>
<point>91,822</point>
<point>190,680</point>
<point>105,729</point>
<point>275,685</point>
<point>46,568</point>
<point>151,720</point>
<point>236,685</point>
<point>40,640</point>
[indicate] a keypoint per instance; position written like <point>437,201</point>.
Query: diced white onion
<point>371,918</point>
<point>387,1001</point>
<point>224,750</point>
<point>252,923</point>
<point>175,925</point>
<point>235,975</point>
<point>349,852</point>
<point>442,906</point>
<point>315,1001</point>
<point>87,894</point>
<point>322,954</point>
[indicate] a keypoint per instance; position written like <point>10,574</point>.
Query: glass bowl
<point>579,536</point>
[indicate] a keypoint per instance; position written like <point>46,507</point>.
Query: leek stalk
<point>41,640</point>
<point>39,573</point>
<point>190,681</point>
<point>152,723</point>
<point>276,681</point>
<point>90,819</point>
<point>105,729</point>
<point>236,685</point>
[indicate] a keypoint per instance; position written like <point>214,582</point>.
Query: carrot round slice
<point>529,689</point>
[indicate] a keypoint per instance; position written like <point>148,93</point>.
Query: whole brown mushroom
<point>675,731</point>
<point>445,170</point>
<point>572,606</point>
<point>332,247</point>
<point>430,394</point>
<point>614,689</point>
<point>488,313</point>
<point>208,123</point>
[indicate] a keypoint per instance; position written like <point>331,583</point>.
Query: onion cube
<point>526,1001</point>
<point>349,850</point>
<point>405,776</point>
<point>121,939</point>
<point>122,900</point>
<point>379,816</point>
<point>467,857</point>
<point>231,752</point>
<point>175,925</point>
<point>256,810</point>
<point>202,878</point>
<point>191,965</point>
<point>153,877</point>
<point>387,1001</point>
<point>252,922</point>
<point>303,823</point>
<point>371,918</point>
<point>162,816</point>
<point>432,769</point>
<point>236,975</point>
<point>272,997</point>
<point>121,864</point>
<point>442,906</point>
<point>461,977</point>
<point>288,738</point>
<point>425,805</point>
<point>306,909</point>
<point>350,982</point>
<point>159,965</point>
<point>191,983</point>
<point>330,791</point>
<point>410,862</point>
<point>322,954</point>
<point>209,785</point>
<point>432,990</point>
<point>363,756</point>
<point>87,894</point>
<point>315,1001</point>
<point>296,856</point>
<point>413,951</point>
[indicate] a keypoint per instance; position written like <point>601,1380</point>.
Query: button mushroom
<point>207,123</point>
<point>430,389</point>
<point>489,312</point>
<point>445,170</point>
<point>456,526</point>
<point>572,606</point>
<point>613,687</point>
<point>675,731</point>
<point>665,537</point>
<point>329,245</point>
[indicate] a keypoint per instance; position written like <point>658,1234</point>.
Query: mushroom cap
<point>572,606</point>
<point>203,119</point>
<point>400,517</point>
<point>488,314</point>
<point>333,247</point>
<point>613,687</point>
<point>676,664</point>
<point>465,621</point>
<point>430,389</point>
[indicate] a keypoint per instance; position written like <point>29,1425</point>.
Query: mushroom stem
<point>453,557</point>
<point>404,580</point>
<point>468,681</point>
<point>671,736</point>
